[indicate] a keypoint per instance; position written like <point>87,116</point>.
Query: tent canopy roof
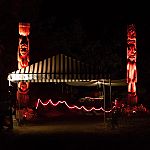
<point>61,68</point>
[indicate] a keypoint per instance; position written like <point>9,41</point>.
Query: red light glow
<point>131,59</point>
<point>24,29</point>
<point>70,107</point>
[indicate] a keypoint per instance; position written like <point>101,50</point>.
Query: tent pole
<point>104,100</point>
<point>110,92</point>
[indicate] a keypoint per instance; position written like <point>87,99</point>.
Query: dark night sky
<point>99,22</point>
<point>102,22</point>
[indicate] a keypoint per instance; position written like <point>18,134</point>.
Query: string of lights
<point>70,107</point>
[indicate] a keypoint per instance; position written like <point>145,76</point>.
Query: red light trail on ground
<point>70,107</point>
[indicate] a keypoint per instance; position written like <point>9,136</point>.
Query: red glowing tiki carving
<point>131,59</point>
<point>23,48</point>
<point>23,61</point>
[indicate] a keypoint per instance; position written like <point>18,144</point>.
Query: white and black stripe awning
<point>58,68</point>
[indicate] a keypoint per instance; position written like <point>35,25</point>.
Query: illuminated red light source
<point>131,59</point>
<point>70,107</point>
<point>24,29</point>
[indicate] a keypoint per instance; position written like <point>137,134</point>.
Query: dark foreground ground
<point>74,132</point>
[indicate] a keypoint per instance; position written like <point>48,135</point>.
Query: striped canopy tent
<point>60,68</point>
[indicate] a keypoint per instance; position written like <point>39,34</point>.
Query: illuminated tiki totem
<point>23,61</point>
<point>131,62</point>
